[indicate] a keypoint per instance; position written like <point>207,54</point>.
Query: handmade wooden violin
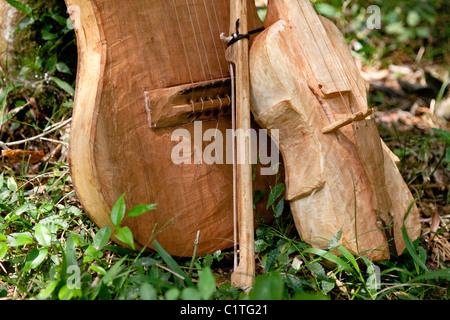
<point>339,174</point>
<point>146,69</point>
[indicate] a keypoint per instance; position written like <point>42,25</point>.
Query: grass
<point>51,250</point>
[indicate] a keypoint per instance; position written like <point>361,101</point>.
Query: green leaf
<point>371,282</point>
<point>329,256</point>
<point>70,258</point>
<point>171,262</point>
<point>62,67</point>
<point>190,294</point>
<point>91,254</point>
<point>118,211</point>
<point>140,209</point>
<point>444,134</point>
<point>411,250</point>
<point>51,286</point>
<point>279,208</point>
<point>35,258</point>
<point>413,18</point>
<point>206,283</point>
<point>334,242</point>
<point>326,10</point>
<point>260,245</point>
<point>396,28</point>
<point>3,249</point>
<point>267,287</point>
<point>12,184</point>
<point>147,292</point>
<point>275,193</point>
<point>350,258</point>
<point>172,294</point>
<point>21,239</point>
<point>110,275</point>
<point>64,85</point>
<point>43,235</point>
<point>125,235</point>
<point>47,35</point>
<point>98,269</point>
<point>434,275</point>
<point>102,237</point>
<point>23,7</point>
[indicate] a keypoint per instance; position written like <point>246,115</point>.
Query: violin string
<point>202,39</point>
<point>217,56</point>
<point>355,82</point>
<point>182,41</point>
<point>196,40</point>
<point>213,38</point>
<point>233,151</point>
<point>341,72</point>
<point>321,53</point>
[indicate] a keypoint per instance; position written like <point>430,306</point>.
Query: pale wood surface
<point>237,55</point>
<point>127,48</point>
<point>304,79</point>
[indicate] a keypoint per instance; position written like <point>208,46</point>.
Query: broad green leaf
<point>171,262</point>
<point>267,287</point>
<point>63,85</point>
<point>118,211</point>
<point>3,249</point>
<point>21,239</point>
<point>334,242</point>
<point>326,10</point>
<point>206,283</point>
<point>12,184</point>
<point>190,293</point>
<point>172,294</point>
<point>70,257</point>
<point>275,193</point>
<point>279,208</point>
<point>140,209</point>
<point>395,28</point>
<point>372,281</point>
<point>43,235</point>
<point>147,292</point>
<point>327,286</point>
<point>23,7</point>
<point>98,269</point>
<point>51,286</point>
<point>65,293</point>
<point>102,237</point>
<point>35,258</point>
<point>90,254</point>
<point>62,67</point>
<point>413,18</point>
<point>260,245</point>
<point>125,235</point>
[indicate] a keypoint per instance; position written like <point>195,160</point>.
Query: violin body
<point>339,174</point>
<point>146,69</point>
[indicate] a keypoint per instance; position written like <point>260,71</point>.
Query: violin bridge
<point>184,104</point>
